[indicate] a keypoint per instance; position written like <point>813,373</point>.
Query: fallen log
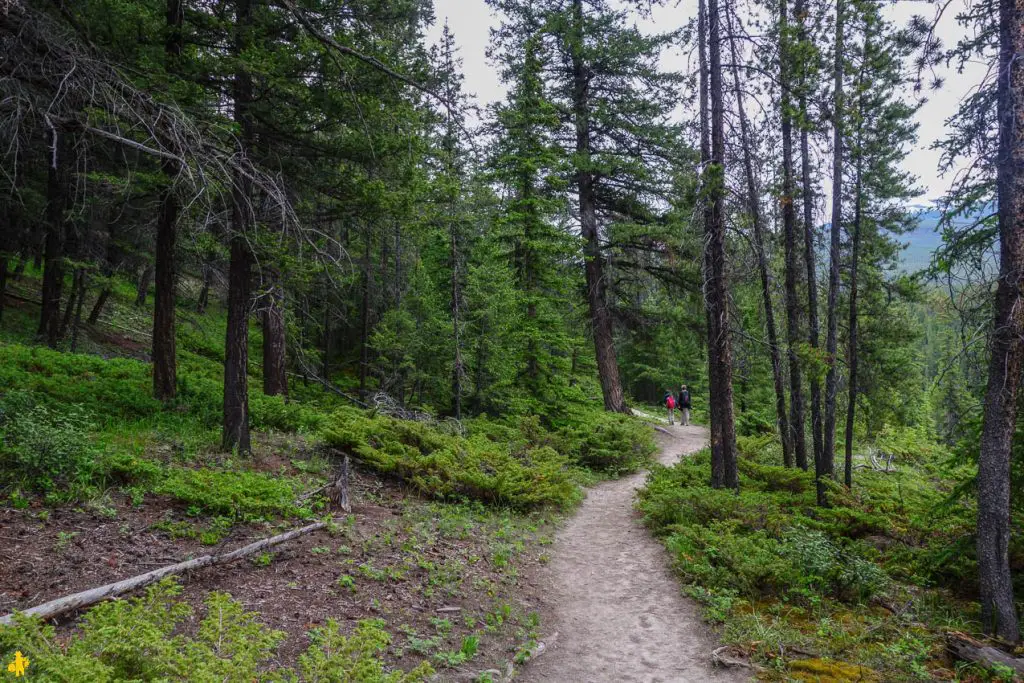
<point>75,601</point>
<point>964,647</point>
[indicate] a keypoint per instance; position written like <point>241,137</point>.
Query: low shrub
<point>782,574</point>
<point>107,389</point>
<point>759,542</point>
<point>42,447</point>
<point>610,443</point>
<point>140,639</point>
<point>450,465</point>
<point>232,493</point>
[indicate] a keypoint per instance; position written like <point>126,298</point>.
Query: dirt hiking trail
<point>612,599</point>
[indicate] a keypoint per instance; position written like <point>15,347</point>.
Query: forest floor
<point>611,598</point>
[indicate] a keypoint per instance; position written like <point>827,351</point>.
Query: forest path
<point>611,596</point>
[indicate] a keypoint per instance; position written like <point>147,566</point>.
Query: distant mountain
<point>924,239</point>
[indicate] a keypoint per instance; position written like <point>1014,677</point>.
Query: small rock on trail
<point>612,599</point>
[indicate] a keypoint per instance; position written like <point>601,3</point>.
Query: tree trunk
<point>9,239</point>
<point>69,308</point>
<point>142,286</point>
<point>275,349</point>
<point>97,308</point>
<point>717,461</point>
<point>480,376</point>
<point>810,257</point>
<point>791,253</point>
<point>109,265</point>
<point>851,407</point>
<point>826,466</point>
<point>236,356</point>
<point>204,293</point>
<point>597,298</point>
<point>165,368</point>
<point>810,261</point>
<point>19,268</point>
<point>998,611</point>
<point>720,346</point>
<point>328,342</point>
<point>76,322</point>
<point>364,317</point>
<point>53,255</point>
<point>754,203</point>
<point>3,282</point>
<point>458,369</point>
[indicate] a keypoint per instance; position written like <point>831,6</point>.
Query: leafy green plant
<point>139,639</point>
<point>454,466</point>
<point>237,494</point>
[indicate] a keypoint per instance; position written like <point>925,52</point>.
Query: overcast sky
<point>470,21</point>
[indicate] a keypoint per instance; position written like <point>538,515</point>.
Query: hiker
<point>684,405</point>
<point>670,403</point>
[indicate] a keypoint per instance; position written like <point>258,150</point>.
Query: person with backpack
<point>684,405</point>
<point>670,403</point>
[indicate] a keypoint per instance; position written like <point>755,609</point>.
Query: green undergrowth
<point>515,463</point>
<point>868,583</point>
<point>141,639</point>
<point>73,425</point>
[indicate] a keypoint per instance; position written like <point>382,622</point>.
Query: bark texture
<point>165,367</point>
<point>851,343</point>
<point>999,615</point>
<point>53,248</point>
<point>275,350</point>
<point>809,231</point>
<point>825,466</point>
<point>791,254</point>
<point>717,461</point>
<point>600,316</point>
<point>756,219</point>
<point>717,296</point>
<point>236,347</point>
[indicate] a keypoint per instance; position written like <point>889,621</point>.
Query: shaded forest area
<point>246,243</point>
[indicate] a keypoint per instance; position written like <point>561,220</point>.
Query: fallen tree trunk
<point>70,603</point>
<point>964,647</point>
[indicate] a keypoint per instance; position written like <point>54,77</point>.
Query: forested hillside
<point>306,357</point>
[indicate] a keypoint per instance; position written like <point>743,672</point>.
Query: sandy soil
<point>618,612</point>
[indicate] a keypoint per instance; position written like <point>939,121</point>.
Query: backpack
<point>684,398</point>
<point>670,402</point>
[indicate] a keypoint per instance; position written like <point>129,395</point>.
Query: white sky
<point>470,21</point>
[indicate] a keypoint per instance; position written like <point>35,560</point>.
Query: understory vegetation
<point>467,506</point>
<point>861,590</point>
<point>269,268</point>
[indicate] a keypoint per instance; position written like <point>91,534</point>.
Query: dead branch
<point>724,656</point>
<point>76,601</point>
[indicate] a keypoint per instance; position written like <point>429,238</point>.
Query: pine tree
<point>165,368</point>
<point>824,468</point>
<point>999,614</point>
<point>723,471</point>
<point>614,124</point>
<point>527,162</point>
<point>450,181</point>
<point>786,64</point>
<point>881,127</point>
<point>236,359</point>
